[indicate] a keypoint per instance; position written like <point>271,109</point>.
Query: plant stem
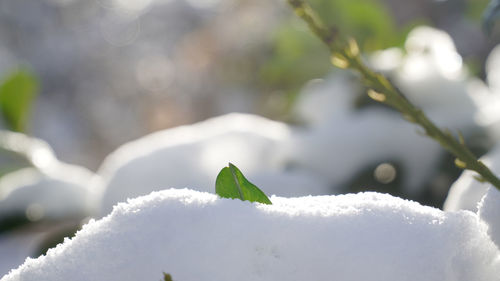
<point>345,54</point>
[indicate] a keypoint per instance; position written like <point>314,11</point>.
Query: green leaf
<point>167,277</point>
<point>231,183</point>
<point>17,94</point>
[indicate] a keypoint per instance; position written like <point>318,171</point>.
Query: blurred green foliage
<point>167,277</point>
<point>475,8</point>
<point>297,57</point>
<point>18,91</point>
<point>369,21</point>
<point>17,94</point>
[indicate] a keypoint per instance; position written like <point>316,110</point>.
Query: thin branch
<point>345,54</point>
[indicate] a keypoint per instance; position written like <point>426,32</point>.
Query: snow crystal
<point>198,236</point>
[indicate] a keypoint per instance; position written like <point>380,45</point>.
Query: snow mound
<point>59,192</point>
<point>191,156</point>
<point>323,99</point>
<point>489,100</point>
<point>346,145</point>
<point>198,236</point>
<point>37,152</point>
<point>489,212</point>
<point>466,192</point>
<point>432,76</point>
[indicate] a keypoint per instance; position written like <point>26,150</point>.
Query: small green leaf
<point>167,277</point>
<point>17,93</point>
<point>231,183</point>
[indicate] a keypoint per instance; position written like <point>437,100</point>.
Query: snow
<point>493,69</point>
<point>337,150</point>
<point>192,156</point>
<point>198,236</point>
<point>47,187</point>
<point>323,99</point>
<point>15,247</point>
<point>489,212</point>
<point>55,194</point>
<point>40,196</point>
<point>432,76</point>
<point>45,190</point>
<point>466,192</point>
<point>488,100</point>
<point>294,183</point>
<point>35,151</point>
<point>489,204</point>
<point>429,72</point>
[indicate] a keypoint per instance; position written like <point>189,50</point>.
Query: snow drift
<point>198,236</point>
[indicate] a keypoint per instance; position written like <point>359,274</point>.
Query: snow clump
<point>199,236</point>
<point>466,192</point>
<point>46,187</point>
<point>489,212</point>
<point>39,194</point>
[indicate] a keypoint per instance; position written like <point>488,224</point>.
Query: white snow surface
<point>36,151</point>
<point>345,145</point>
<point>466,192</point>
<point>489,100</point>
<point>192,155</point>
<point>198,236</point>
<point>489,212</point>
<point>432,76</point>
<point>59,192</point>
<point>324,99</point>
<point>49,187</point>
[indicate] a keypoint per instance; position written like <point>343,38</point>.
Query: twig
<point>345,54</point>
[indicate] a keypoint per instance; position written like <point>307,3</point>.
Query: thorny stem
<point>345,54</point>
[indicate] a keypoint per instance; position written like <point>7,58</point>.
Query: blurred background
<point>78,79</point>
<point>110,71</point>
